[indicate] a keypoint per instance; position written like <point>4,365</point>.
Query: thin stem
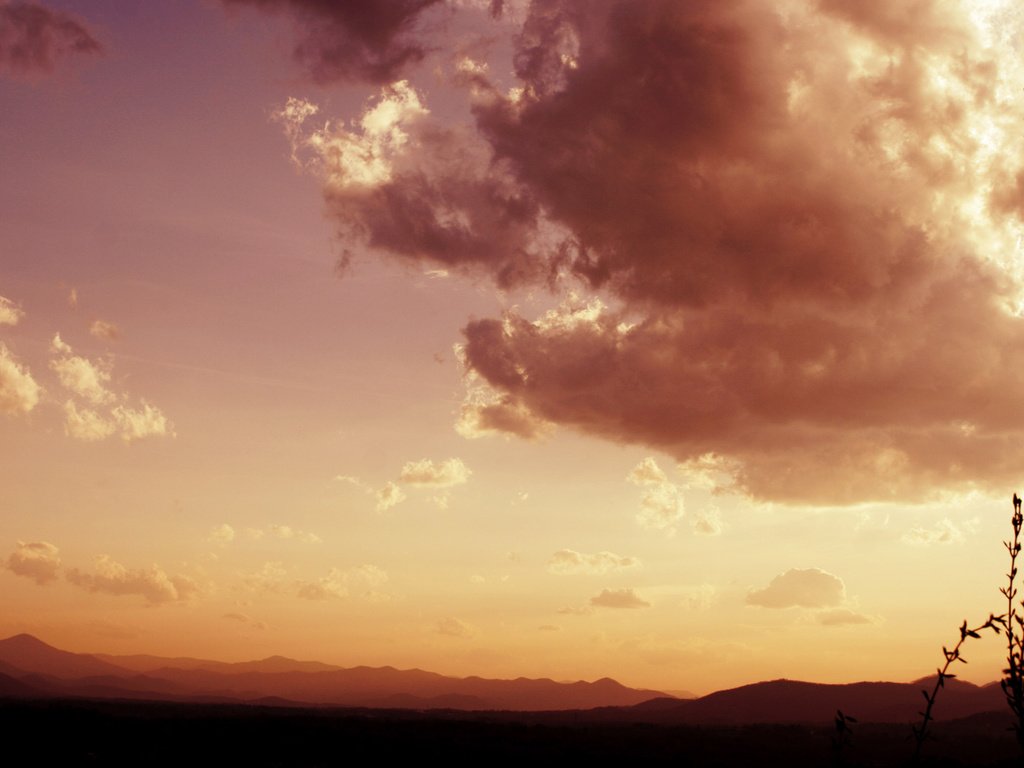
<point>921,731</point>
<point>1013,680</point>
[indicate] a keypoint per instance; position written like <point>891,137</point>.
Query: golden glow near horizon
<point>679,346</point>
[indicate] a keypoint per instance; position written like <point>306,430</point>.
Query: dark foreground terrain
<point>83,732</point>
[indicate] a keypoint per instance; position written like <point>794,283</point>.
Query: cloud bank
<point>797,228</point>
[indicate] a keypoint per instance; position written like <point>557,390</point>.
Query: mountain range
<point>30,668</point>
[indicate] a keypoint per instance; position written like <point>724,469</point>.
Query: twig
<point>921,731</point>
<point>1013,676</point>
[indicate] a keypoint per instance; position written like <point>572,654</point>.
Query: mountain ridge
<point>37,669</point>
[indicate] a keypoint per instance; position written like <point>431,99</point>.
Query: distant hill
<point>281,679</point>
<point>31,668</point>
<point>791,701</point>
<point>29,654</point>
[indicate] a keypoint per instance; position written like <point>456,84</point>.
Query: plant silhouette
<point>1011,625</point>
<point>1013,676</point>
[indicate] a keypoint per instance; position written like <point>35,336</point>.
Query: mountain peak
<point>25,640</point>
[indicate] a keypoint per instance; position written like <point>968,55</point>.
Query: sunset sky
<point>674,342</point>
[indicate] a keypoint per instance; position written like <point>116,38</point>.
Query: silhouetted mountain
<point>790,701</point>
<point>366,686</point>
<point>17,689</point>
<point>48,671</point>
<point>145,663</point>
<point>307,682</point>
<point>29,654</point>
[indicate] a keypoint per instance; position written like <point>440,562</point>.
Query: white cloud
<point>85,423</point>
<point>19,392</point>
<point>569,561</point>
<point>389,496</point>
<point>80,375</point>
<point>619,598</point>
<point>361,159</point>
<point>37,560</point>
<point>154,584</point>
<point>136,424</point>
<point>445,474</point>
<point>89,381</point>
<point>804,587</point>
<point>10,313</point>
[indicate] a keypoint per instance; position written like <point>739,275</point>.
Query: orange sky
<point>679,343</point>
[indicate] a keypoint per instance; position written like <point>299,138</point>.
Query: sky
<point>679,343</point>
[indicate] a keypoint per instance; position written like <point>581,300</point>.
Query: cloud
<point>110,577</point>
<point>19,392</point>
<point>10,313</point>
<point>407,184</point>
<point>569,561</point>
<point>370,40</point>
<point>81,376</point>
<point>389,496</point>
<point>804,587</point>
<point>37,560</point>
<point>803,227</point>
<point>33,38</point>
<point>662,504</point>
<point>85,423</point>
<point>137,423</point>
<point>836,617</point>
<point>101,329</point>
<point>452,627</point>
<point>362,581</point>
<point>89,381</point>
<point>945,531</point>
<point>619,598</point>
<point>445,474</point>
<point>222,534</point>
